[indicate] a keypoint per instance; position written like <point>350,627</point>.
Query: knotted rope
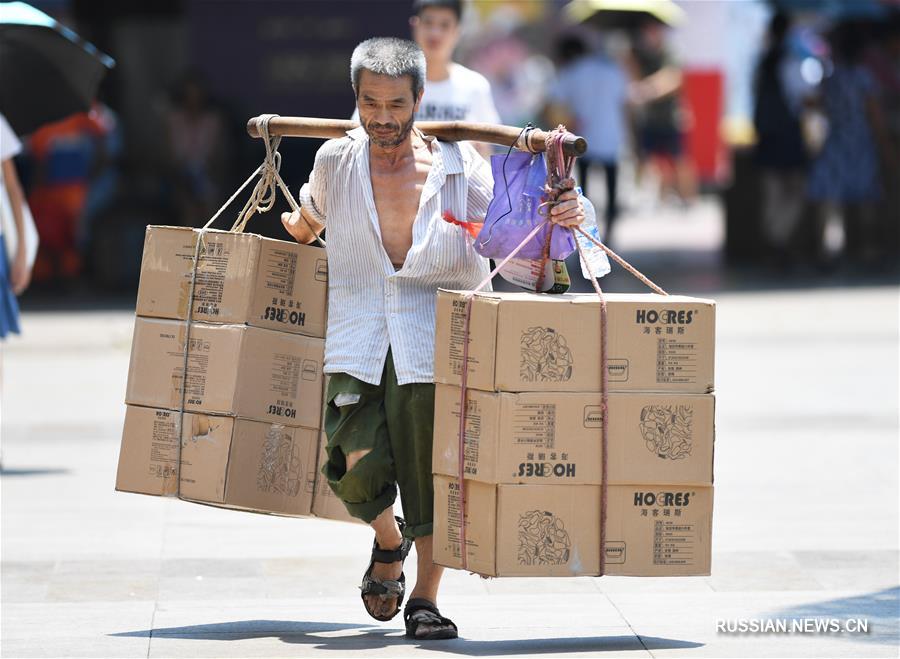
<point>559,180</point>
<point>263,197</point>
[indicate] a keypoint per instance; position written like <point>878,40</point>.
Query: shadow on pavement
<point>518,647</point>
<point>243,629</point>
<point>368,637</point>
<point>880,608</point>
<point>33,472</point>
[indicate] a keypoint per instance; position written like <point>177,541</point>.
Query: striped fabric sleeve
<point>480,182</point>
<point>314,193</point>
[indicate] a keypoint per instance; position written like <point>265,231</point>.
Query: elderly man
<point>381,191</point>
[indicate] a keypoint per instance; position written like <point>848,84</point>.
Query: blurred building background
<point>166,141</point>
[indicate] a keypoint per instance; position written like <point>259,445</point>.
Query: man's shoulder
<point>335,147</point>
<point>467,155</point>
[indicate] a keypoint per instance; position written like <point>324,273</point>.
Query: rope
<point>468,297</point>
<point>604,407</point>
<point>264,194</point>
<point>195,259</point>
<point>640,276</point>
<point>559,180</point>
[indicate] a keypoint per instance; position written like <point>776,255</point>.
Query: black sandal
<point>420,611</point>
<point>386,588</point>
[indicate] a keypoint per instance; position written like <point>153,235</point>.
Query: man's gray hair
<point>391,57</point>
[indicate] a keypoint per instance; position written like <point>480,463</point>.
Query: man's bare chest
<point>397,197</point>
<point>397,193</point>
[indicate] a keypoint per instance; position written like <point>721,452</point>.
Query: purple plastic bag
<point>504,226</point>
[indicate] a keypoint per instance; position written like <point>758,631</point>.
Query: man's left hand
<point>568,211</point>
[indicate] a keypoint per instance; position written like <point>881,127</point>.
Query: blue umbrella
<point>47,72</point>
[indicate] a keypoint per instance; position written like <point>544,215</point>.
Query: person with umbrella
<point>660,114</point>
<point>48,74</point>
<point>600,117</point>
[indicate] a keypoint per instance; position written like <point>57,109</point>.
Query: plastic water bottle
<point>595,256</point>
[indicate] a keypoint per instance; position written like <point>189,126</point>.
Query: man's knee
<point>366,487</point>
<point>353,457</point>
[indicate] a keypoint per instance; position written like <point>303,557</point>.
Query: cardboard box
<point>530,342</point>
<point>225,461</point>
<point>325,503</point>
<point>554,530</point>
<point>241,278</point>
<point>519,530</point>
<point>659,530</point>
<point>554,437</point>
<point>232,369</point>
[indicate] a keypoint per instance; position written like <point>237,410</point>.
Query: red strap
<point>472,227</point>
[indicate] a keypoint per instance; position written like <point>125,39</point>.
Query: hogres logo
<point>662,498</point>
<point>546,469</point>
<point>664,317</point>
<point>280,410</point>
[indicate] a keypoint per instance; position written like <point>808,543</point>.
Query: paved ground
<point>806,519</point>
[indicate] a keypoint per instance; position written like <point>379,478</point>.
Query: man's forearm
<point>663,83</point>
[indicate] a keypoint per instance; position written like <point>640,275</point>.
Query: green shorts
<point>396,424</point>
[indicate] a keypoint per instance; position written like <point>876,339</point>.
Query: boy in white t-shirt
<point>452,91</point>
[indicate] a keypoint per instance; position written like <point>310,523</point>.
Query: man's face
<point>386,107</point>
<point>653,34</point>
<point>436,30</point>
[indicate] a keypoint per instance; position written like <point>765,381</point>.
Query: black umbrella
<point>623,14</point>
<point>47,72</point>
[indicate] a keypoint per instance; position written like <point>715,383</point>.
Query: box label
<point>198,366</point>
<point>673,542</point>
<point>209,282</point>
<point>280,270</point>
<point>454,520</point>
<point>676,361</point>
<point>534,424</point>
<point>163,446</point>
<point>457,337</point>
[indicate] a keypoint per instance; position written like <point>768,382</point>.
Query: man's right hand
<point>301,228</point>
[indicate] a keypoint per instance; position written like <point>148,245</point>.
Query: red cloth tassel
<point>472,227</point>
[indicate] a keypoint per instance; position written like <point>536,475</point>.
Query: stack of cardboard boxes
<point>253,407</point>
<point>532,458</point>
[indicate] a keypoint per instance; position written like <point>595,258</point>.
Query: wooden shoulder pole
<point>448,131</point>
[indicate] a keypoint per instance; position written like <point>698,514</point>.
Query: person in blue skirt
<point>15,271</point>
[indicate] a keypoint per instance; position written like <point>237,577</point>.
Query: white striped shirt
<point>372,306</point>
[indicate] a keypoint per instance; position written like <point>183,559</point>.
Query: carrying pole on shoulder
<point>525,139</point>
